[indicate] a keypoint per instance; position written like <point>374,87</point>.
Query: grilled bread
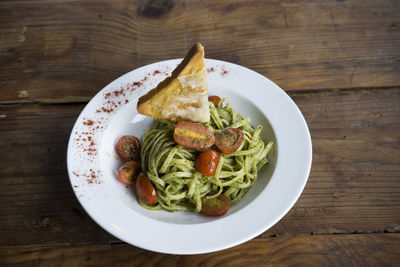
<point>183,95</point>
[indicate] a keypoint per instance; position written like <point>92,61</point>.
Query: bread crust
<point>193,62</point>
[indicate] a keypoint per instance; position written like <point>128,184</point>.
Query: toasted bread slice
<point>183,95</point>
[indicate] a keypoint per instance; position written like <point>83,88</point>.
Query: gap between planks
<point>117,242</point>
<point>374,250</point>
<point>301,92</point>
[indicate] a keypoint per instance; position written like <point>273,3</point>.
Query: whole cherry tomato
<point>207,162</point>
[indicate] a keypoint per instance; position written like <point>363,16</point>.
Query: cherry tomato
<point>128,147</point>
<point>128,172</point>
<point>215,206</point>
<point>228,140</point>
<point>215,99</point>
<point>207,162</point>
<point>193,135</point>
<point>146,190</point>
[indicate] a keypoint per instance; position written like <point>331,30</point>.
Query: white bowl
<point>92,163</point>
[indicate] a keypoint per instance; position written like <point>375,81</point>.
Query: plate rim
<point>222,246</point>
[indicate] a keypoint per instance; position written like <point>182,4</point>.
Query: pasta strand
<point>171,167</point>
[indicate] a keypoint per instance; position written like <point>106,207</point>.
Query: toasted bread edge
<point>191,59</point>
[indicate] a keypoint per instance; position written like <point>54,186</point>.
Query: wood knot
<point>155,8</point>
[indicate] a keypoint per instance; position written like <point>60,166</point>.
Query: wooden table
<point>338,60</point>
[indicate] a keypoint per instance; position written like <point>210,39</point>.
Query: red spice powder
<point>88,122</point>
<point>105,110</point>
<point>137,83</point>
<point>112,101</point>
<point>210,69</point>
<point>120,92</point>
<point>85,139</point>
<point>114,98</point>
<point>92,177</point>
<point>224,71</point>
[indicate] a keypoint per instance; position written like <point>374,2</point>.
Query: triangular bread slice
<point>183,95</point>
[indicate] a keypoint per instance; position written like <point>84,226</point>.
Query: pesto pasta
<point>171,167</point>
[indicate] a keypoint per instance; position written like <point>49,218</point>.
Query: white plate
<point>92,162</point>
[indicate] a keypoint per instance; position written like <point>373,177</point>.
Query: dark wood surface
<point>338,60</point>
<point>321,250</point>
<point>66,51</point>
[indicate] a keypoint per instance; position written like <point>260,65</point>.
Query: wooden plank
<point>38,202</point>
<point>55,51</point>
<point>324,250</point>
<point>354,184</point>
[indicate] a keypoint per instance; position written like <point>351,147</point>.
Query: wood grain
<point>356,164</point>
<point>56,51</point>
<point>325,250</point>
<point>354,185</point>
<point>38,201</point>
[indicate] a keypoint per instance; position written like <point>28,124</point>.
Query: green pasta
<point>171,167</point>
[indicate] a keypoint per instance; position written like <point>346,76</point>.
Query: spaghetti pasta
<point>171,167</point>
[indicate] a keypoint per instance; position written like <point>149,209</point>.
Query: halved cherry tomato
<point>215,206</point>
<point>228,140</point>
<point>193,135</point>
<point>128,172</point>
<point>207,162</point>
<point>128,147</point>
<point>146,190</point>
<point>215,99</point>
